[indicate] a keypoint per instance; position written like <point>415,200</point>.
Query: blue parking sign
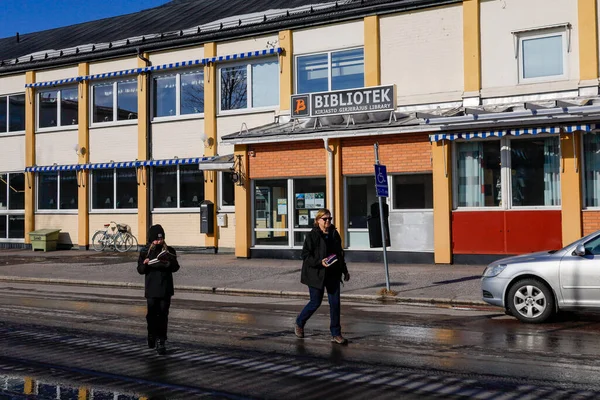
<point>381,181</point>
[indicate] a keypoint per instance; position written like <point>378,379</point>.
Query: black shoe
<point>160,347</point>
<point>151,341</point>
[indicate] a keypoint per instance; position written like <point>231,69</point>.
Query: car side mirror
<point>579,250</point>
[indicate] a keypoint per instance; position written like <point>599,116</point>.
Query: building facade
<point>491,148</point>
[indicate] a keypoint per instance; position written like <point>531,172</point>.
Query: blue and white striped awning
<point>239,56</point>
<point>550,129</point>
<point>111,74</point>
<point>180,64</point>
<point>467,135</point>
<point>175,161</point>
<point>111,165</point>
<point>513,132</point>
<point>53,168</point>
<point>54,83</point>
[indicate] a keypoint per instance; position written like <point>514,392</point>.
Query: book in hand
<point>331,259</point>
<point>162,259</point>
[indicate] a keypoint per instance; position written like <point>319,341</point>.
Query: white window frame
<point>177,114</point>
<point>249,108</point>
<point>114,84</point>
<point>58,210</point>
<point>8,131</point>
<point>113,210</point>
<point>329,67</point>
<point>59,126</point>
<point>222,207</point>
<point>177,209</point>
<point>8,212</point>
<point>392,193</point>
<point>563,30</point>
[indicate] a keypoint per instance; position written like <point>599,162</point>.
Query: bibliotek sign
<point>352,101</point>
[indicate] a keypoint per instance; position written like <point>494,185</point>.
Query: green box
<point>44,239</point>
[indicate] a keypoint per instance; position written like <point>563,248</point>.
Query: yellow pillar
<point>243,219</point>
<point>286,70</point>
<point>83,142</point>
<point>338,188</point>
<point>588,40</point>
<point>83,393</point>
<point>28,385</point>
<point>29,155</point>
<point>570,187</point>
<point>442,203</point>
<point>472,47</point>
<point>372,51</point>
<point>143,172</point>
<point>210,129</point>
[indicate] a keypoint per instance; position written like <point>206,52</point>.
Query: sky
<point>26,16</point>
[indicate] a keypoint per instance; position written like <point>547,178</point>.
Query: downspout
<point>330,185</point>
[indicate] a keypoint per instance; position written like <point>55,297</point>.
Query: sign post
<point>381,185</point>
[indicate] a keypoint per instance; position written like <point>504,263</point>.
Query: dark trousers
<point>158,316</point>
<point>316,297</point>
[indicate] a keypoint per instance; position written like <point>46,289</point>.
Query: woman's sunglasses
<point>327,219</point>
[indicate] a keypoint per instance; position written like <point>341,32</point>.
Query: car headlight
<point>494,270</point>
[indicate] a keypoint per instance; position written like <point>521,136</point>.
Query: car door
<point>580,276</point>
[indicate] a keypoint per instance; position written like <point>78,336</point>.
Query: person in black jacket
<point>158,285</point>
<point>322,243</point>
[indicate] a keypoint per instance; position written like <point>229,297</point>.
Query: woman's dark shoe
<point>151,341</point>
<point>299,332</point>
<point>160,347</point>
<point>339,339</point>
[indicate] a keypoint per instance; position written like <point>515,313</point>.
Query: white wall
<point>117,143</point>
<point>187,54</point>
<point>233,124</point>
<point>422,53</point>
<point>12,84</point>
<point>14,159</point>
<point>332,37</point>
<point>56,147</point>
<point>56,74</point>
<point>246,45</point>
<point>183,138</point>
<point>113,66</point>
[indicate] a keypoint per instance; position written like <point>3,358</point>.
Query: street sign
<point>381,181</point>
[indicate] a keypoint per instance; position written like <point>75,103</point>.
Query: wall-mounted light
<point>80,150</point>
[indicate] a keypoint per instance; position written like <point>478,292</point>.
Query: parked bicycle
<point>116,236</point>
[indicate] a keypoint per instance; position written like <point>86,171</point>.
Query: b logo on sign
<point>300,106</point>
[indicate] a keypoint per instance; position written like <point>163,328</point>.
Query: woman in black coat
<point>157,262</point>
<point>322,268</point>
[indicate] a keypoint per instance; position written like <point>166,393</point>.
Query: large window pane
<point>164,187</point>
<point>127,104</point>
<point>347,69</point>
<point>313,73</point>
<point>3,191</point>
<point>68,106</point>
<point>68,190</point>
<point>227,189</point>
<point>48,109</point>
<point>3,115</point>
<point>591,149</point>
<point>16,111</point>
<point>271,211</point>
<point>414,191</point>
<point>192,93</point>
<point>361,195</point>
<point>265,84</point>
<point>479,174</point>
<point>16,192</point>
<point>16,226</point>
<point>103,103</point>
<point>3,226</point>
<point>309,197</point>
<point>103,195</point>
<point>165,92</point>
<point>535,175</point>
<point>542,56</point>
<point>126,188</point>
<point>234,88</point>
<point>191,184</point>
<point>48,191</point>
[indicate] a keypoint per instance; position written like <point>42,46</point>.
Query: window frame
<point>329,65</point>
<point>221,207</point>
<point>113,210</point>
<point>115,121</point>
<point>520,37</point>
<point>8,212</point>
<point>392,192</point>
<point>249,108</point>
<point>7,97</point>
<point>59,126</point>
<point>177,115</point>
<point>178,209</point>
<point>58,210</point>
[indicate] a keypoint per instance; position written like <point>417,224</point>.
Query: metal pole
<point>381,217</point>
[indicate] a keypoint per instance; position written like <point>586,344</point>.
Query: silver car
<point>534,286</point>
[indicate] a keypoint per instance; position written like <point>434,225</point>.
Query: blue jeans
<point>316,297</point>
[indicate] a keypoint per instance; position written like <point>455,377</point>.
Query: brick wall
<point>400,153</point>
<point>591,222</point>
<point>283,160</point>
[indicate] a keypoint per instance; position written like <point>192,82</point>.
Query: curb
<point>364,298</point>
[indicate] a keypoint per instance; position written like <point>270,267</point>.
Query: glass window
<point>591,156</point>
<point>3,226</point>
<point>16,192</point>
<point>69,99</point>
<point>165,93</point>
<point>309,197</point>
<point>127,105</point>
<point>48,191</point>
<point>249,86</point>
<point>126,188</point>
<point>178,186</point>
<point>271,212</point>
<point>263,92</point>
<point>102,108</point>
<point>103,189</point>
<point>192,93</point>
<point>114,189</point>
<point>227,189</point>
<point>3,191</point>
<point>234,88</point>
<point>48,109</point>
<point>542,56</point>
<point>414,191</point>
<point>3,114</point>
<point>16,227</point>
<point>116,101</point>
<point>68,190</point>
<point>191,186</point>
<point>165,187</point>
<point>479,183</point>
<point>55,108</point>
<point>16,112</point>
<point>335,70</point>
<point>361,196</point>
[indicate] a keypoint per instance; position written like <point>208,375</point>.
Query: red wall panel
<point>478,232</point>
<point>528,231</point>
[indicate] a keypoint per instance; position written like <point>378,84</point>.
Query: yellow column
<point>588,40</point>
<point>83,142</point>
<point>210,129</point>
<point>338,188</point>
<point>142,172</point>
<point>570,187</point>
<point>442,203</point>
<point>28,385</point>
<point>372,51</point>
<point>83,393</point>
<point>472,47</point>
<point>243,219</point>
<point>286,70</point>
<point>29,155</point>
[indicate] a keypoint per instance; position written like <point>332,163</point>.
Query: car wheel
<point>531,300</point>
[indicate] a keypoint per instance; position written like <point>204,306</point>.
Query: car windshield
<point>584,239</point>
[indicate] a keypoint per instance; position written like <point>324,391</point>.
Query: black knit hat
<point>155,232</point>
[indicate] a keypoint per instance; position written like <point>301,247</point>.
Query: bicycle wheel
<point>120,242</point>
<point>126,242</point>
<point>134,242</point>
<point>98,241</point>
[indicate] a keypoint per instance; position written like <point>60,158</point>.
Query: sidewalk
<point>226,274</point>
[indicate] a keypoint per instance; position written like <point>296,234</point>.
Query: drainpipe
<point>330,168</point>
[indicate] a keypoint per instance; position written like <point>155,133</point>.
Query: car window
<point>593,246</point>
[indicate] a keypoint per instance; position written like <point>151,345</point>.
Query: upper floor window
<point>253,85</point>
<point>57,190</point>
<point>12,113</point>
<point>178,94</point>
<point>334,70</point>
<point>114,189</point>
<point>115,101</point>
<point>57,107</point>
<point>542,56</point>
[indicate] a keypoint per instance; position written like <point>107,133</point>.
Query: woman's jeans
<point>158,316</point>
<point>316,297</point>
